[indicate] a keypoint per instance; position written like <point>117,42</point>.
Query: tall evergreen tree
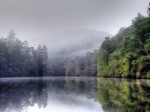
<point>17,59</point>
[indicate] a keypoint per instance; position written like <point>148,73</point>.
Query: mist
<point>71,25</point>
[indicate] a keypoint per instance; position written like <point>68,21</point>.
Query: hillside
<point>128,53</point>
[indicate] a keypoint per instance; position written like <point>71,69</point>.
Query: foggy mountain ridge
<point>78,43</point>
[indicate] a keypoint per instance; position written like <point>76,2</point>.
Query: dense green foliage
<point>128,53</point>
<point>124,96</point>
<point>17,59</point>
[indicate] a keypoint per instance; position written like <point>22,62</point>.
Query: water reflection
<point>17,95</point>
<point>74,95</point>
<point>48,94</point>
<point>124,95</point>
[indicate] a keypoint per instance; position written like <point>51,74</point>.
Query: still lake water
<point>74,94</point>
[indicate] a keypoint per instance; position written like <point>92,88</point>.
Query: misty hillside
<point>76,43</point>
<point>76,51</point>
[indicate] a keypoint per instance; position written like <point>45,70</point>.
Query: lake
<point>74,94</point>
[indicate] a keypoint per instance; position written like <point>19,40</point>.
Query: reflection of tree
<point>42,94</point>
<point>83,86</point>
<point>20,95</point>
<point>124,96</point>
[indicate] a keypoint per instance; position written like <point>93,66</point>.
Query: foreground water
<point>74,94</point>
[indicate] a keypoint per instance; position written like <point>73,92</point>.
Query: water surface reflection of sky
<point>72,103</point>
<point>74,94</point>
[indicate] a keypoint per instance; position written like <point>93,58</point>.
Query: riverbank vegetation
<point>128,53</point>
<point>17,59</point>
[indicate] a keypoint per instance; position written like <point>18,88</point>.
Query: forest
<point>127,54</point>
<point>17,59</point>
<point>85,65</point>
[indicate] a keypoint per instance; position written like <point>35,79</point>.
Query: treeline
<point>128,53</point>
<point>82,65</point>
<point>17,59</point>
<point>85,65</point>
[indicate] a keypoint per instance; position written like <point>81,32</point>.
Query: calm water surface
<point>74,94</point>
